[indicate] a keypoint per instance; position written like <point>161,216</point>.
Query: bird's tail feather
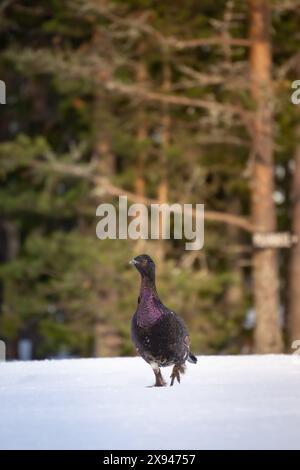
<point>191,358</point>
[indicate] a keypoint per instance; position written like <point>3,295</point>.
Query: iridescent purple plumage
<point>149,309</point>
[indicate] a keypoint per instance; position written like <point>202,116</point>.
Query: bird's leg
<point>177,370</point>
<point>159,381</point>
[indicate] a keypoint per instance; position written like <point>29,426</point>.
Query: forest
<point>186,102</point>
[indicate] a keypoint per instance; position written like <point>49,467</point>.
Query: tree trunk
<point>294,268</point>
<point>268,337</point>
<point>141,135</point>
<point>141,76</point>
<point>102,138</point>
<point>163,187</point>
<point>9,248</point>
<point>234,294</point>
<point>105,338</point>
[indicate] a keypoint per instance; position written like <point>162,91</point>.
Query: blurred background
<point>182,101</point>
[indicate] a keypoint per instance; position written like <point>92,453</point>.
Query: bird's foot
<point>159,380</point>
<point>160,384</point>
<point>177,370</point>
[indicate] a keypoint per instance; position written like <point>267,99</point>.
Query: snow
<point>224,402</point>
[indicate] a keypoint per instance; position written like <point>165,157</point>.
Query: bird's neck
<point>148,286</point>
<point>148,311</point>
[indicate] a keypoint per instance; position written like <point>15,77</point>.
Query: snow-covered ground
<point>245,402</point>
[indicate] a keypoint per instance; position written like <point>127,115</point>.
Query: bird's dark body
<point>164,343</point>
<point>159,335</point>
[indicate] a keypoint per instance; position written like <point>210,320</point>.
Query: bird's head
<point>145,265</point>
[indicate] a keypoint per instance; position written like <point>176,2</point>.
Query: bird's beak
<point>133,262</point>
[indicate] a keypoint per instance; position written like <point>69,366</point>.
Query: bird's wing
<point>180,321</point>
<point>184,334</point>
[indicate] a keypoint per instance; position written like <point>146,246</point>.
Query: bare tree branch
<point>214,216</point>
<point>139,92</point>
<point>103,186</point>
<point>140,24</point>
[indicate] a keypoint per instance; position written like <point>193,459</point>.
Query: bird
<point>160,335</point>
